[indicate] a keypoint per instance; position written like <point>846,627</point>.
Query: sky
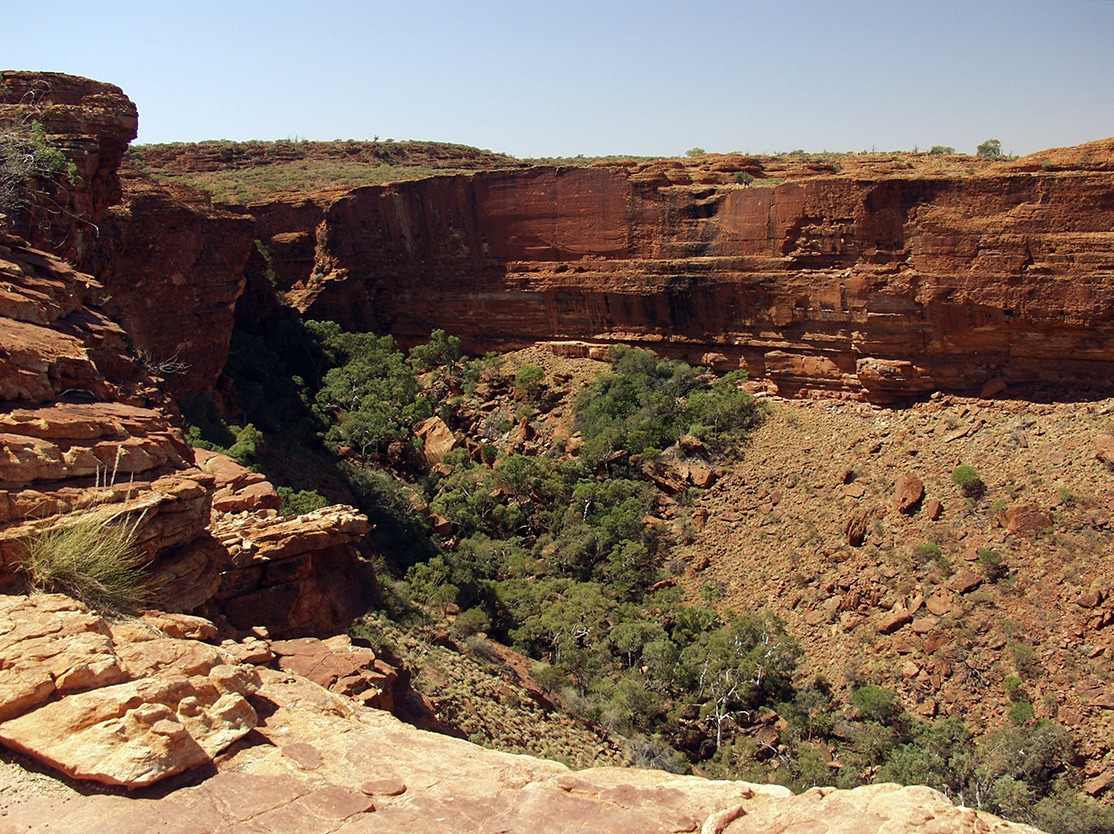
<point>539,79</point>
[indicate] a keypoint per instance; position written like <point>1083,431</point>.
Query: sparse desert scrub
<point>92,558</point>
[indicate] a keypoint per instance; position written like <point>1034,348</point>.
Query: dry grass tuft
<point>92,559</point>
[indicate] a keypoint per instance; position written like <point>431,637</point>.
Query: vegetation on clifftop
<point>245,172</point>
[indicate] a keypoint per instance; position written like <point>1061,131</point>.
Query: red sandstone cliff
<point>92,123</point>
<point>879,279</point>
<point>173,266</point>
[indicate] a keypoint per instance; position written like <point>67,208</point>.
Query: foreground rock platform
<point>240,747</point>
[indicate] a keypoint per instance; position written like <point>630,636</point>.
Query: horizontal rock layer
<point>888,283</point>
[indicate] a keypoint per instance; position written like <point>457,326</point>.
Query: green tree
<point>740,665</point>
<point>990,149</point>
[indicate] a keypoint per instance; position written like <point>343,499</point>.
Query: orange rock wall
<point>92,123</point>
<point>878,285</point>
<point>173,268</point>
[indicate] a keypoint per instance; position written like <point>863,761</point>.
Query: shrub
<point>968,480</point>
<point>26,156</point>
<point>990,149</point>
<point>90,560</point>
<point>472,621</point>
<point>926,552</point>
<point>941,149</point>
<point>743,178</point>
<point>529,379</point>
<point>692,153</point>
<point>1023,656</point>
<point>876,703</point>
<point>943,566</point>
<point>992,565</point>
<point>302,501</point>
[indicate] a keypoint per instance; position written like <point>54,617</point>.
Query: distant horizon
<point>915,150</point>
<point>608,78</point>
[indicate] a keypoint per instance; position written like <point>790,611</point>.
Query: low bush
<point>968,480</point>
<point>301,501</point>
<point>89,559</point>
<point>994,568</point>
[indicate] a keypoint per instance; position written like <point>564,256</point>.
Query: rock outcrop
<point>86,430</point>
<point>889,277</point>
<point>92,124</point>
<point>132,704</point>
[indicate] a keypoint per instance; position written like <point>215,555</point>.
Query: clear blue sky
<point>605,77</point>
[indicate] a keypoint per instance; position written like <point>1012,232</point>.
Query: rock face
<point>875,280</point>
<point>173,267</point>
<point>128,714</point>
<point>92,123</point>
<point>85,429</point>
<point>320,762</point>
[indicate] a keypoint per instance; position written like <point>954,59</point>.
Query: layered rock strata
<point>92,124</point>
<point>878,279</point>
<point>86,430</point>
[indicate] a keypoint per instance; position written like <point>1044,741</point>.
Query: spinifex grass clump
<point>92,559</point>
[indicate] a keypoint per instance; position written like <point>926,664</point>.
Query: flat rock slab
<point>374,774</point>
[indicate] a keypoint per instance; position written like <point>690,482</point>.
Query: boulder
<point>438,438</point>
<point>894,620</point>
<point>908,492</point>
<point>855,528</point>
<point>964,581</point>
<point>1026,520</point>
<point>1104,449</point>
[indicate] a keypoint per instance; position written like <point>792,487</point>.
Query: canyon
<point>878,281</point>
<point>880,277</point>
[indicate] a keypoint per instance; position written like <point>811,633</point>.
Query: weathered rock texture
<point>173,267</point>
<point>85,429</point>
<point>83,426</point>
<point>878,279</point>
<point>319,762</point>
<point>124,713</point>
<point>92,123</point>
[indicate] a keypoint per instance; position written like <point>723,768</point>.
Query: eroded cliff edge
<point>877,279</point>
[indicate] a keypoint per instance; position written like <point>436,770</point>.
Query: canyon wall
<point>91,123</point>
<point>172,266</point>
<point>877,280</point>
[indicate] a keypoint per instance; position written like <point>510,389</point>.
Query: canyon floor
<point>912,607</point>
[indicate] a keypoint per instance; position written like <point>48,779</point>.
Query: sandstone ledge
<point>137,702</point>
